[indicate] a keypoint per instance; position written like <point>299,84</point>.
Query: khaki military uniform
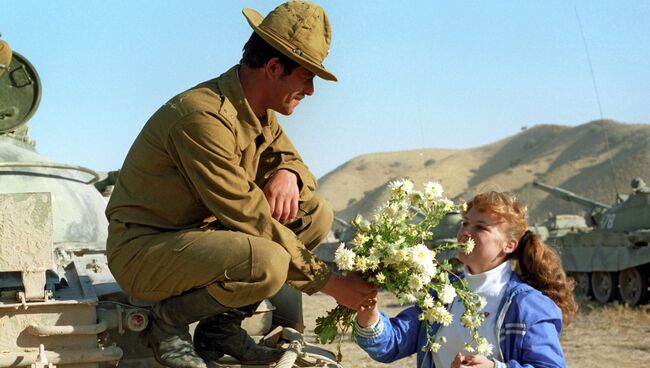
<point>188,210</point>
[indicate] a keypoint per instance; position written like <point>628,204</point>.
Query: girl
<point>524,311</point>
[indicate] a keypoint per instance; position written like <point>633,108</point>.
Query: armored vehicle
<point>59,303</point>
<point>611,257</point>
<point>559,225</point>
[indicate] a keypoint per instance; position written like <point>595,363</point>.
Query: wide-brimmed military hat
<point>5,56</point>
<point>299,30</point>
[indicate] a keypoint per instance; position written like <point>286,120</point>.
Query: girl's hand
<point>368,314</point>
<point>475,361</point>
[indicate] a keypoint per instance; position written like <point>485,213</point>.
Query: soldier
<point>5,56</point>
<point>214,210</point>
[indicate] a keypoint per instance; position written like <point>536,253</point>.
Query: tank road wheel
<point>603,285</point>
<point>583,284</point>
<point>633,286</point>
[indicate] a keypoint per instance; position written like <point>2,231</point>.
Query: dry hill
<point>594,160</point>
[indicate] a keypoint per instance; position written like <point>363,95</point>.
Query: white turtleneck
<point>491,285</point>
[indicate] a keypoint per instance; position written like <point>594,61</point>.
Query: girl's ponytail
<point>540,266</point>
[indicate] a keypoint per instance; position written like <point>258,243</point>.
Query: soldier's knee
<point>271,267</point>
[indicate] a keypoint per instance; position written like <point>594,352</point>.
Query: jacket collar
<point>236,109</point>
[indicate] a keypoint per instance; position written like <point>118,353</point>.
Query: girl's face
<point>492,244</point>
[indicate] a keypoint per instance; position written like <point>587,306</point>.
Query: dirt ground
<point>600,336</point>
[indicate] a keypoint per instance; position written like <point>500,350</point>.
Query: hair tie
<point>524,238</point>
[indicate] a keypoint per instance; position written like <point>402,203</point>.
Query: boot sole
<point>242,362</point>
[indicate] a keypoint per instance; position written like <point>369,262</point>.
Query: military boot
<point>222,334</point>
<point>168,334</point>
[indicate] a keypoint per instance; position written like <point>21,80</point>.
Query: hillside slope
<point>594,160</point>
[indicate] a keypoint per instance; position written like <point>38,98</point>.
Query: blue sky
<point>412,74</point>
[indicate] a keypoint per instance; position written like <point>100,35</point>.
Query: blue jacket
<point>529,325</point>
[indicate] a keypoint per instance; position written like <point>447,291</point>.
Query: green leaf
<point>326,334</point>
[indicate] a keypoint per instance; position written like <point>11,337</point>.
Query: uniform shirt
<point>204,156</point>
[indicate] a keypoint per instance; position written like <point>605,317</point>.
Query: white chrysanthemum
<point>421,256</point>
<point>360,239</point>
<point>361,263</point>
<point>482,302</point>
<point>446,318</point>
<point>404,255</point>
<point>408,298</point>
<point>447,294</point>
<point>468,246</point>
<point>415,282</point>
<point>344,258</point>
<point>442,277</point>
<point>403,186</point>
<point>469,348</point>
<point>426,279</point>
<point>361,223</point>
<point>430,271</point>
<point>484,348</point>
<point>439,314</point>
<point>466,320</point>
<point>434,347</point>
<point>380,278</point>
<point>469,321</point>
<point>433,190</point>
<point>447,204</point>
<point>373,262</point>
<point>427,303</point>
<point>357,220</point>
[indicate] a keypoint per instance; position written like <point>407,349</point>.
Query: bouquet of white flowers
<point>390,251</point>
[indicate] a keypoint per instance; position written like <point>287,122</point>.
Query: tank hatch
<point>20,94</point>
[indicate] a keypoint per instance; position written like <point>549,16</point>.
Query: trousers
<point>237,269</point>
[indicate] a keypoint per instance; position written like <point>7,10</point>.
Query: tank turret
<point>632,211</point>
<point>611,258</point>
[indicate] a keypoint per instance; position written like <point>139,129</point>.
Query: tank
<point>610,257</point>
<point>59,303</point>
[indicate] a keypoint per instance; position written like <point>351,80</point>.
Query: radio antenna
<point>600,109</point>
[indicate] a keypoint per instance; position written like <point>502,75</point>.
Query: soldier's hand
<point>350,290</point>
<point>282,193</point>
